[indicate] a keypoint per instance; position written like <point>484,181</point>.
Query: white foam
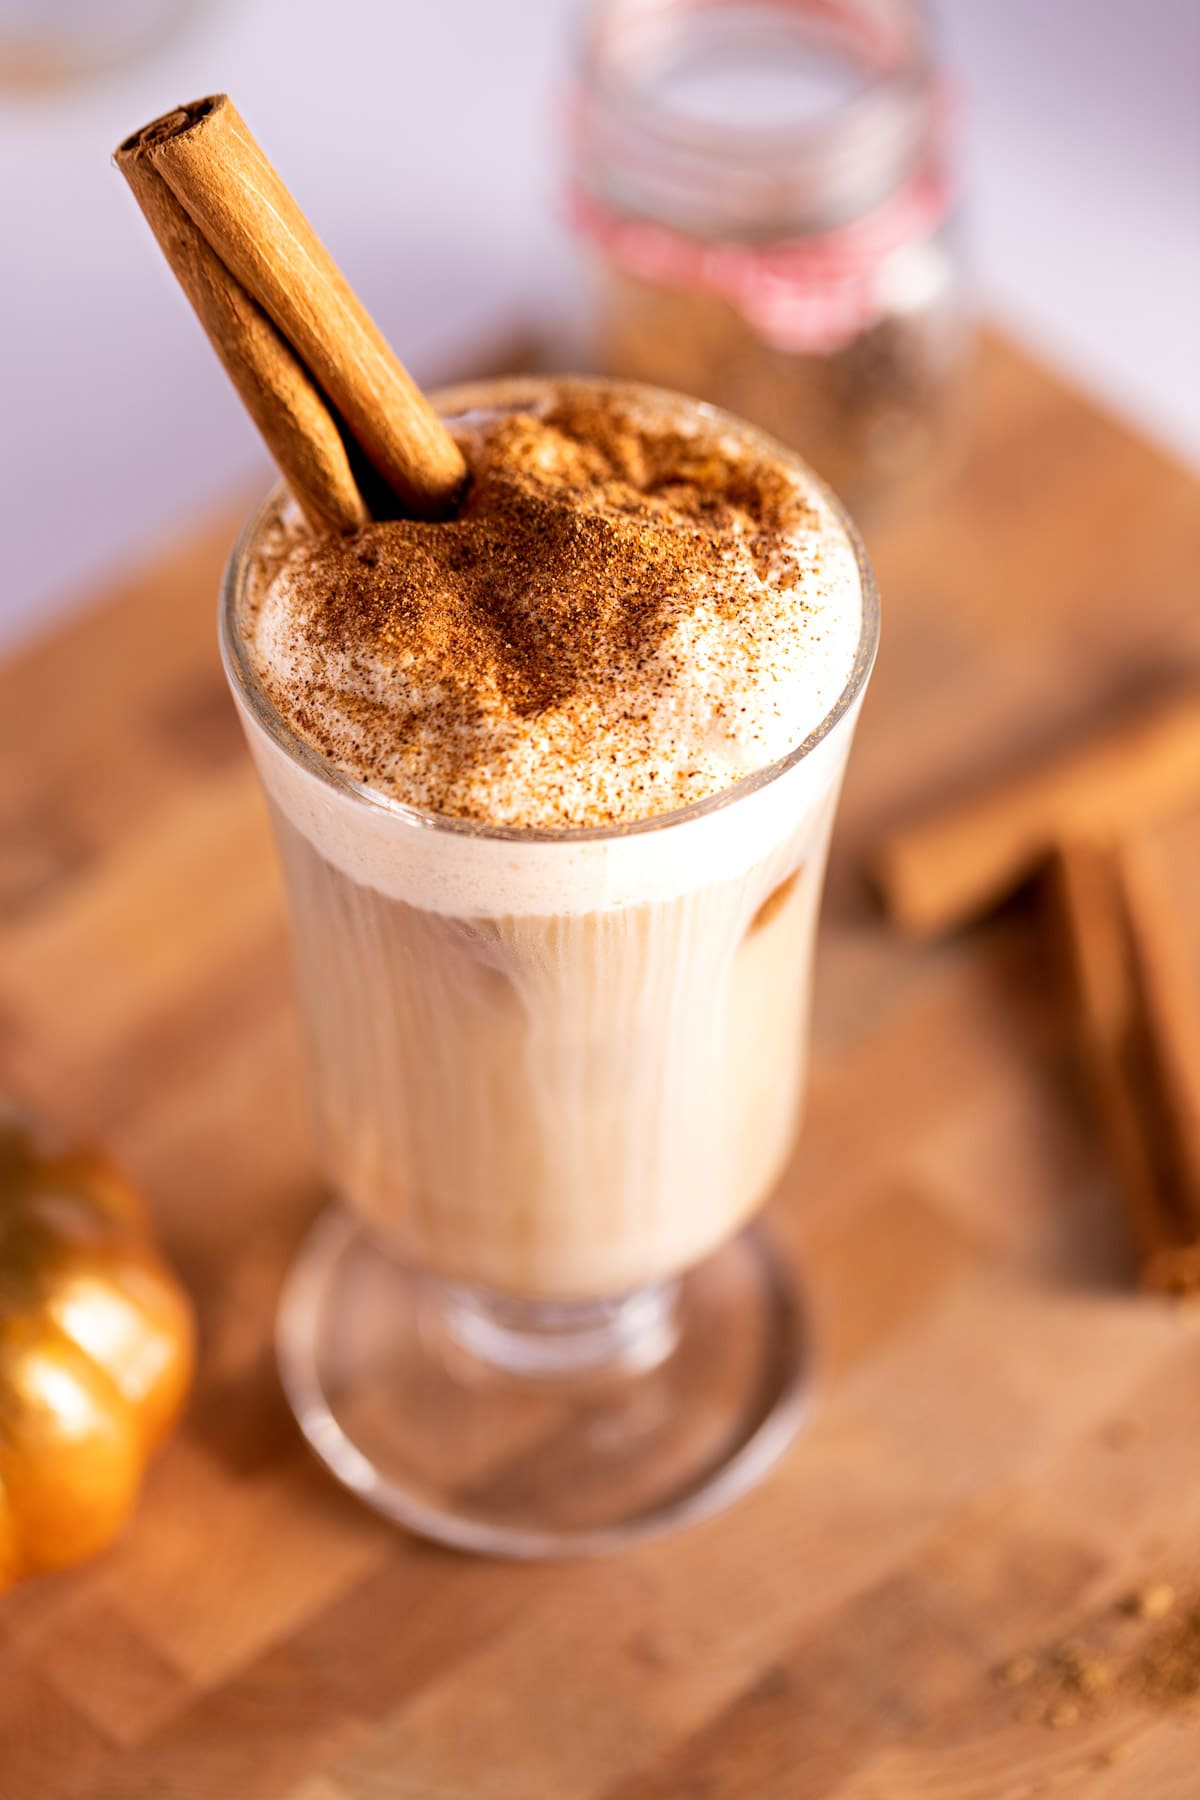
<point>729,696</point>
<point>473,874</point>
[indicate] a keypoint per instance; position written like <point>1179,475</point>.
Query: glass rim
<point>911,75</point>
<point>250,692</point>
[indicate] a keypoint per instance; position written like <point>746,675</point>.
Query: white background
<point>422,138</point>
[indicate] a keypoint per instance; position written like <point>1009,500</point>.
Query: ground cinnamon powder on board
<point>1109,1662</point>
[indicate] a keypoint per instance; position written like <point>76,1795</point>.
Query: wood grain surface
<point>1006,1441</point>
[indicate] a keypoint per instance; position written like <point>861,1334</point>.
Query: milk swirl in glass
<point>556,1062</point>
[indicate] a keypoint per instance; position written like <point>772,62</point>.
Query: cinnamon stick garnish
<point>945,868</point>
<point>224,184</point>
<point>1137,1041</point>
<point>293,419</point>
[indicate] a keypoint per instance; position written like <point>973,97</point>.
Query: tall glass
<point>556,1074</point>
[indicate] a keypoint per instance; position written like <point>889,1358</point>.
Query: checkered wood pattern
<point>1005,1439</point>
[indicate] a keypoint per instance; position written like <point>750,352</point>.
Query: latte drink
<point>553,783</point>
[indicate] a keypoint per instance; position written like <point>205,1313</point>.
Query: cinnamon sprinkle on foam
<point>634,607</point>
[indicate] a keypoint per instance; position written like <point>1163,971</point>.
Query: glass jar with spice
<point>766,189</point>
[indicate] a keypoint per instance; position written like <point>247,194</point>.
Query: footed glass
<point>556,1075</point>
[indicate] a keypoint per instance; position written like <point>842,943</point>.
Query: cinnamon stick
<point>943,869</point>
<point>293,419</point>
<point>216,171</point>
<point>1165,970</point>
<point>1121,950</point>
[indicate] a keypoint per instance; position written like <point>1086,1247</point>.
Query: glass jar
<point>45,44</point>
<point>766,191</point>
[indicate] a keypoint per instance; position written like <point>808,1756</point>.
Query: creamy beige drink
<point>552,774</point>
<point>553,783</point>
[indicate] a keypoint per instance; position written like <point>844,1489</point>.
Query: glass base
<point>524,1430</point>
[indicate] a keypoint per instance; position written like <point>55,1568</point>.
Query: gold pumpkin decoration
<point>96,1352</point>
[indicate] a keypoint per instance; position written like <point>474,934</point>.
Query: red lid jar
<point>765,187</point>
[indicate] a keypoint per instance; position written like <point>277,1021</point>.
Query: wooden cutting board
<point>1006,1442</point>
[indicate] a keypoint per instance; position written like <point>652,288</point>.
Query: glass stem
<point>544,1339</point>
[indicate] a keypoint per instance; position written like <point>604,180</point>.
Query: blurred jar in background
<point>765,188</point>
<point>46,43</point>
